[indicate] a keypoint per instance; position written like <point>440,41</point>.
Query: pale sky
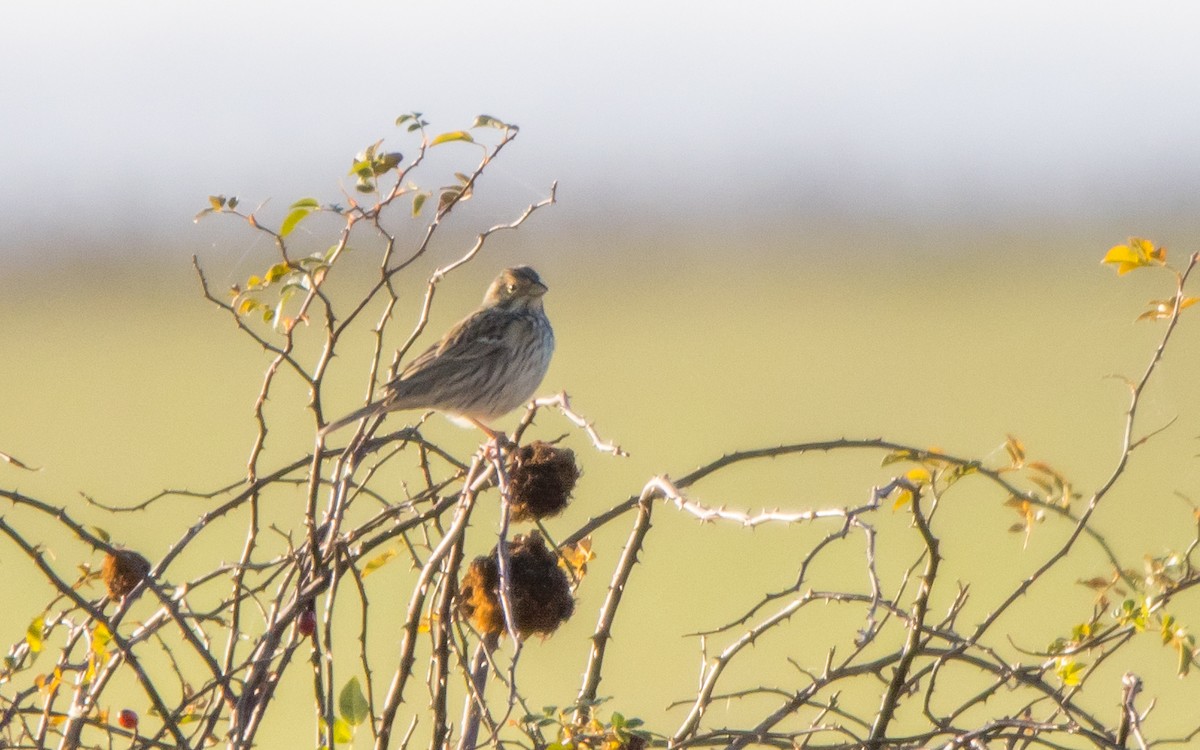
<point>126,114</point>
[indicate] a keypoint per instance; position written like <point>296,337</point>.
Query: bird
<point>486,365</point>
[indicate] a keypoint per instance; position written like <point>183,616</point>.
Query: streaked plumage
<point>488,364</point>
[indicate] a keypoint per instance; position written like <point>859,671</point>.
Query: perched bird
<point>488,364</point>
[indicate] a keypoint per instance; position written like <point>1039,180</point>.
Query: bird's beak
<point>539,289</point>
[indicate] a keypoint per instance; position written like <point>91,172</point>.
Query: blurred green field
<point>122,381</point>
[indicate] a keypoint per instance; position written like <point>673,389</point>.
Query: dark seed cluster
<point>540,480</point>
<point>539,590</point>
<point>123,569</point>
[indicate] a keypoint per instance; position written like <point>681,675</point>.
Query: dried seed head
<point>540,480</point>
<point>123,569</point>
<point>539,590</point>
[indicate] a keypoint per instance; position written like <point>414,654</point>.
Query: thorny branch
<point>231,630</point>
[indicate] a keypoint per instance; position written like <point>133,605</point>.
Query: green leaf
<point>419,202</point>
<point>101,533</point>
<point>277,272</point>
<point>448,197</point>
<point>300,209</point>
<point>217,202</point>
<point>454,135</point>
<point>487,121</point>
<point>378,562</point>
<point>1168,629</point>
<point>387,162</point>
<point>33,634</point>
<point>293,288</point>
<point>352,703</point>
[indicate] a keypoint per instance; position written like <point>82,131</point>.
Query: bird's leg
<point>498,442</point>
<point>486,430</point>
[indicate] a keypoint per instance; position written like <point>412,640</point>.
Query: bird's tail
<point>369,410</point>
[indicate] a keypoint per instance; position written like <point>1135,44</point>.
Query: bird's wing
<point>475,337</point>
<point>475,340</point>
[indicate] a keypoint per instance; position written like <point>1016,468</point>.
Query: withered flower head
<point>539,590</point>
<point>123,569</point>
<point>540,480</point>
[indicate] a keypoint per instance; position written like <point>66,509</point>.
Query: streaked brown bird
<point>488,364</point>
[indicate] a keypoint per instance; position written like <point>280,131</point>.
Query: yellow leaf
<point>455,135</point>
<point>33,634</point>
<point>1068,670</point>
<point>898,455</point>
<point>46,684</point>
<point>425,624</point>
<point>378,562</point>
<point>1138,253</point>
<point>277,272</point>
<point>101,637</point>
<point>1120,254</point>
<point>918,476</point>
<point>575,559</point>
<point>1146,250</point>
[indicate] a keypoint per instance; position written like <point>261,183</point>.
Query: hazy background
<point>778,222</point>
<point>119,117</point>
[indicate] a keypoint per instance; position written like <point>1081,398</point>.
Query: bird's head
<point>516,288</point>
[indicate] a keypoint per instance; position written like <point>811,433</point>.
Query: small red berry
<point>306,624</point>
<point>128,719</point>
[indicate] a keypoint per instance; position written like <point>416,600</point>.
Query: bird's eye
<point>511,288</point>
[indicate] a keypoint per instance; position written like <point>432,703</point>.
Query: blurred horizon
<point>653,119</point>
